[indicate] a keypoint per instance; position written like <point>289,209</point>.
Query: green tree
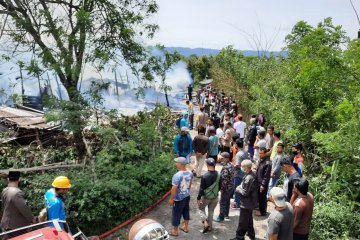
<point>163,64</point>
<point>66,35</point>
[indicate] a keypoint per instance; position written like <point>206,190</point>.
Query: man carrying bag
<point>208,194</point>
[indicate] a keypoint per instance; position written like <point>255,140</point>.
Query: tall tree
<point>66,34</point>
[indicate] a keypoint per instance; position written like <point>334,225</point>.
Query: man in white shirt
<point>220,134</point>
<point>240,127</point>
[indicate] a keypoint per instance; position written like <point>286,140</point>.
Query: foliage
<point>312,97</point>
<point>199,67</point>
<point>132,167</point>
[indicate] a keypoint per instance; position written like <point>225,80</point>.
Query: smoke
<point>127,102</point>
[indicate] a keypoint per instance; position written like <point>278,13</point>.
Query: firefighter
<point>54,200</point>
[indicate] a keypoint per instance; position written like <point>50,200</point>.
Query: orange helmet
<point>61,182</point>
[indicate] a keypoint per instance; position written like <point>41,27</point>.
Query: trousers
<point>246,225</point>
<point>199,163</point>
<point>225,203</point>
<point>262,200</point>
<point>211,205</point>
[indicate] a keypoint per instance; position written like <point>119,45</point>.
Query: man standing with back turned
<point>16,213</point>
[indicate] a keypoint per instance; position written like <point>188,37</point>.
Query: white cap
<point>278,195</point>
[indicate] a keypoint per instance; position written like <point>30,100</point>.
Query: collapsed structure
<point>25,125</point>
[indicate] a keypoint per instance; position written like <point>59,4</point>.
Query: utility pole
<point>116,86</point>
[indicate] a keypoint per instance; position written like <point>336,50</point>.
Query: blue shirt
<point>184,123</point>
<point>182,179</point>
<point>183,145</point>
<point>213,146</point>
<point>55,207</point>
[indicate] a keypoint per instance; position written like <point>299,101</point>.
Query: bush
<point>333,220</point>
<point>132,168</point>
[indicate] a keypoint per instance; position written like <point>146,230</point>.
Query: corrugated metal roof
<point>23,118</point>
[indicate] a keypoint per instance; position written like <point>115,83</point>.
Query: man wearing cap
<point>263,172</point>
<point>281,221</point>
<point>183,144</point>
<point>227,186</point>
<point>16,213</point>
<point>54,199</point>
<point>180,197</point>
<point>208,194</point>
<point>200,146</point>
<point>291,177</point>
<point>248,201</point>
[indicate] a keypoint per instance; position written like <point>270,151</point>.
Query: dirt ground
<point>222,231</point>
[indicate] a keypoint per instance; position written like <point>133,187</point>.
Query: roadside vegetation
<point>311,96</point>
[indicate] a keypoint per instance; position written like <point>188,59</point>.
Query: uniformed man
<point>54,201</point>
<point>15,212</point>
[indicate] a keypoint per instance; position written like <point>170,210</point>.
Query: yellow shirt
<point>274,149</point>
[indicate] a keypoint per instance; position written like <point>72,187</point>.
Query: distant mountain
<point>209,52</point>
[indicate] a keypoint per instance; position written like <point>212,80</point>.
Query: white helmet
<point>148,229</point>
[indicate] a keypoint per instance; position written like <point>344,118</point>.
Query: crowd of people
<point>252,158</point>
<point>17,214</point>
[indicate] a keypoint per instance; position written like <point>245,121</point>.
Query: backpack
<point>212,191</point>
<point>183,144</point>
<point>177,122</point>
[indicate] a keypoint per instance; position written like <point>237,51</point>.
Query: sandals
<point>206,229</point>
<point>183,229</point>
<point>173,234</point>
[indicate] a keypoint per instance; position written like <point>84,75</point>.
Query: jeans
<point>273,182</point>
<point>191,121</point>
<point>251,152</point>
<point>237,182</point>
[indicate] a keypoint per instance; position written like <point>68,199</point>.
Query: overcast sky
<point>218,23</point>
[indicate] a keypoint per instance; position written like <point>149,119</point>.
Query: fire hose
<point>137,216</point>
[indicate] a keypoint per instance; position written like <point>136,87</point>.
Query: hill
<point>209,51</point>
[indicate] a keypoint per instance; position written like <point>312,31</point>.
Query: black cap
<point>210,162</point>
<point>298,146</point>
<point>225,155</point>
<point>14,175</point>
<point>286,161</point>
